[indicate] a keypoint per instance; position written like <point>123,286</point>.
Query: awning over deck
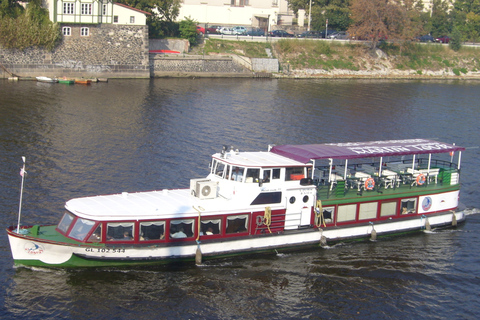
<point>352,150</point>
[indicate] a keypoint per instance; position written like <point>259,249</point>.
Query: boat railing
<point>397,176</point>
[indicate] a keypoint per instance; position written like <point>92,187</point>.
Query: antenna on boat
<point>22,173</point>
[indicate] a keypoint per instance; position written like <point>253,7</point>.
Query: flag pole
<point>22,173</point>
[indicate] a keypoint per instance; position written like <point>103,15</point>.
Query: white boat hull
<point>29,251</point>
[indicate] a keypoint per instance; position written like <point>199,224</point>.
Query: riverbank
<point>354,59</point>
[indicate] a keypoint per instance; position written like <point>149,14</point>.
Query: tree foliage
<point>188,30</point>
<point>161,23</point>
<point>31,28</point>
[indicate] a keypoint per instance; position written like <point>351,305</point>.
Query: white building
<point>250,13</point>
<point>94,12</point>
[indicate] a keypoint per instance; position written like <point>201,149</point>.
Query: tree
<point>188,30</point>
<point>164,12</point>
<point>10,8</point>
<point>369,20</point>
<point>455,39</point>
<point>440,19</point>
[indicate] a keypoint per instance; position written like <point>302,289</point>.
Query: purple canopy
<point>350,150</point>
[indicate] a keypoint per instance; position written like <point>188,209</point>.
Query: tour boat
<point>283,199</point>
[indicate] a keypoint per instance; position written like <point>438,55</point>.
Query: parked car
<point>213,29</point>
<point>309,34</point>
<point>326,33</point>
<point>225,30</point>
<point>425,38</point>
<point>239,30</point>
<point>341,35</point>
<point>280,33</point>
<point>200,30</point>
<point>443,39</point>
<point>256,32</point>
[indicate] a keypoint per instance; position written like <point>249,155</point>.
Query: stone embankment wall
<point>110,51</point>
<point>196,66</point>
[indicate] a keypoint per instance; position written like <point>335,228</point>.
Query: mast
<point>22,173</point>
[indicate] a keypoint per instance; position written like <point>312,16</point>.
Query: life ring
<point>369,184</point>
<point>420,179</point>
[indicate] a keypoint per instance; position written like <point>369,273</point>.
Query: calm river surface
<point>138,135</point>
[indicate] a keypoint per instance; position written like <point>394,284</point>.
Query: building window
<point>274,3</point>
<point>239,3</point>
<point>68,8</point>
<point>87,8</point>
<point>115,19</point>
<point>67,31</point>
<point>132,19</point>
<point>104,11</point>
<point>84,32</point>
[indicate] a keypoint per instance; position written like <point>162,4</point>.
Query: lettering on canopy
<point>350,150</point>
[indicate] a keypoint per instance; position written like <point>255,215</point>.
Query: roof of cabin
<point>257,159</point>
<point>351,150</point>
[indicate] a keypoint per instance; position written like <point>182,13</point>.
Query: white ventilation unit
<point>206,190</point>
<point>203,188</point>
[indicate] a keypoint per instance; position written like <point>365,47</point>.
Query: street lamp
<point>309,15</point>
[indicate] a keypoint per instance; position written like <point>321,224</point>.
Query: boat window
<point>295,173</point>
<point>368,210</point>
<point>328,213</point>
<point>237,174</point>
<point>346,212</point>
<point>152,230</point>
<point>409,206</point>
<point>181,228</point>
<point>96,236</point>
<point>237,224</point>
<point>210,227</point>
<point>220,169</point>
<point>81,228</point>
<point>275,174</point>
<point>252,175</point>
<point>267,176</point>
<point>268,198</point>
<point>120,231</point>
<point>388,209</point>
<point>65,222</point>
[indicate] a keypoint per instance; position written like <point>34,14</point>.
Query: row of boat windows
<point>91,231</point>
<point>241,174</point>
<point>368,210</point>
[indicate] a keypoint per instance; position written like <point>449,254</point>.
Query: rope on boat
<point>267,218</point>
<point>425,225</point>
<point>198,253</point>
<point>454,220</point>
<point>319,214</point>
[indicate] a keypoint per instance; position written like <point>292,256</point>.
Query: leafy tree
<point>10,8</point>
<point>455,39</point>
<point>161,23</point>
<point>188,30</point>
<point>370,20</point>
<point>32,28</point>
<point>441,22</point>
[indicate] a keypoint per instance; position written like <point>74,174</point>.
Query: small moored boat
<point>46,79</point>
<point>288,197</point>
<point>66,81</point>
<point>83,81</point>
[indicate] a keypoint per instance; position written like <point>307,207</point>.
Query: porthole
<point>305,199</point>
<point>292,200</point>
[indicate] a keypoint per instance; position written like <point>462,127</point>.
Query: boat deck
<point>348,190</point>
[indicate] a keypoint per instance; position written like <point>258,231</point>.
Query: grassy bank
<point>330,56</point>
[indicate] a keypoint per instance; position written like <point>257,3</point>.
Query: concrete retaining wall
<point>208,66</point>
<point>265,65</point>
<point>180,45</point>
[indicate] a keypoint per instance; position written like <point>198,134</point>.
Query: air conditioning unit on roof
<point>206,190</point>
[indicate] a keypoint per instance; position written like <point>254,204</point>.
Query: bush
<point>455,39</point>
<point>188,30</point>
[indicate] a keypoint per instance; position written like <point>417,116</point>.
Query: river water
<point>138,135</point>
